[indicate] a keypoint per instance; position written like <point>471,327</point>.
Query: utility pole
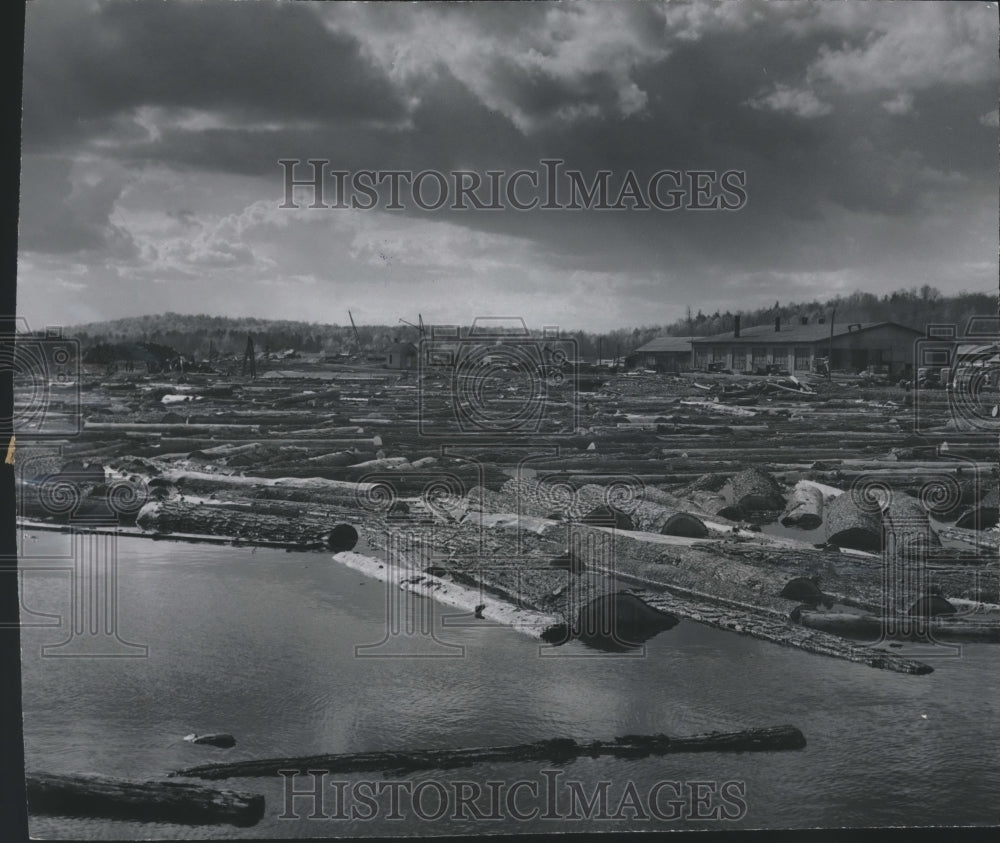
<point>250,358</point>
<point>829,355</point>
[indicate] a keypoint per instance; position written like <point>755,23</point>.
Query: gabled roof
<point>813,332</point>
<point>678,344</point>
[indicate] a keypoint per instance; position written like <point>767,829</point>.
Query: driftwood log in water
<point>91,795</point>
<point>556,751</point>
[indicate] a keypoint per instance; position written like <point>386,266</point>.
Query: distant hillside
<point>196,335</point>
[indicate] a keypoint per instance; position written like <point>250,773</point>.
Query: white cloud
<point>798,101</point>
<point>582,54</point>
<point>75,286</point>
<point>900,104</point>
<point>929,45</point>
<point>890,48</point>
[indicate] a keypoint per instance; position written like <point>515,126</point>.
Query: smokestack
<point>736,325</point>
<point>777,324</point>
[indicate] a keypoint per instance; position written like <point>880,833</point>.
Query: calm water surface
<point>262,645</point>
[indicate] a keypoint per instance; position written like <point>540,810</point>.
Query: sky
<point>866,135</point>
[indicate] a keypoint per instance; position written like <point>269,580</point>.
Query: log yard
<point>604,504</point>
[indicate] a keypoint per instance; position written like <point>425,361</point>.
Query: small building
<point>795,347</point>
<point>668,354</point>
<point>401,355</point>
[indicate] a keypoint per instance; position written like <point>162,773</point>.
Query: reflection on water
<point>262,645</point>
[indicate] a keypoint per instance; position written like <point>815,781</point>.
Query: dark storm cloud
<point>86,64</point>
<point>80,220</point>
<point>864,129</point>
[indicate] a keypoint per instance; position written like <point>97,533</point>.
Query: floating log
<point>337,458</point>
<point>848,525</point>
<point>342,537</point>
<point>203,481</point>
<point>621,621</point>
<point>91,795</point>
<point>984,515</point>
<point>806,590</point>
<point>804,508</point>
<point>720,408</point>
<point>828,492</point>
<point>151,427</point>
<point>591,503</point>
<point>983,539</point>
<point>871,627</point>
<point>569,561</point>
<point>931,605</point>
<point>684,524</point>
<point>907,520</point>
<point>557,750</point>
<point>308,529</point>
<point>709,502</point>
<point>608,516</point>
<point>754,490</point>
<point>219,739</point>
<point>843,623</point>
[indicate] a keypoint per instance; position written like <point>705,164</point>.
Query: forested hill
<point>196,334</point>
<point>913,307</point>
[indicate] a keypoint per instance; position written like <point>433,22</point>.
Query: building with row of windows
<point>794,347</point>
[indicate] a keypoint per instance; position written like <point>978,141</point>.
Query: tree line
<point>199,336</point>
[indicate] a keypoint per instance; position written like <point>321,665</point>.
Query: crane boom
<point>357,338</point>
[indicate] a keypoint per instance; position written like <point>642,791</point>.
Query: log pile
<point>285,459</point>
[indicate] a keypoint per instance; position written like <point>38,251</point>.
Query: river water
<point>262,644</point>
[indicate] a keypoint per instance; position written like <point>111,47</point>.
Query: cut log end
<point>685,524</point>
<point>342,537</point>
